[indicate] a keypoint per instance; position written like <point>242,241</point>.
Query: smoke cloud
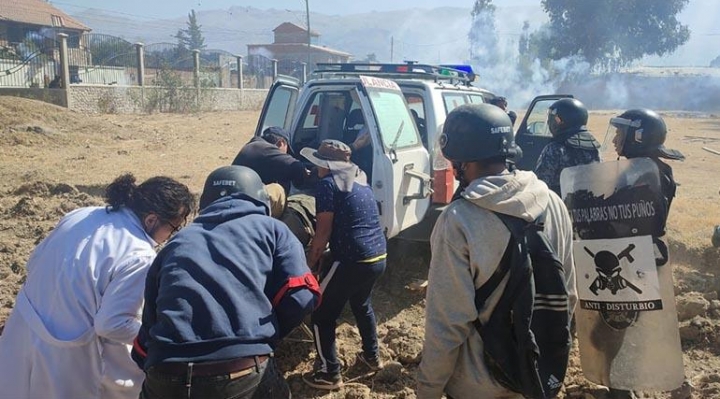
<point>686,89</point>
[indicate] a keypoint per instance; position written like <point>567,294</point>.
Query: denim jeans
<point>268,383</point>
<point>345,282</point>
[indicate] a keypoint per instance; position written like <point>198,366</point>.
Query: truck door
<point>401,167</point>
<point>533,133</point>
<point>279,107</point>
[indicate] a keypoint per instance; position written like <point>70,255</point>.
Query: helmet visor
<point>617,132</point>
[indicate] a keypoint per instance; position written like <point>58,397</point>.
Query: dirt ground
<point>54,160</point>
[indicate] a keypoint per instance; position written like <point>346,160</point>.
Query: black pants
<point>266,383</point>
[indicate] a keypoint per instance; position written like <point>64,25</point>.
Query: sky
<point>699,15</point>
<point>175,8</point>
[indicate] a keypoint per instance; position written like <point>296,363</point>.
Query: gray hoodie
<point>467,244</point>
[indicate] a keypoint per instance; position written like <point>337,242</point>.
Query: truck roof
<point>409,70</point>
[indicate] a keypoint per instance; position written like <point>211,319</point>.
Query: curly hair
<point>163,196</point>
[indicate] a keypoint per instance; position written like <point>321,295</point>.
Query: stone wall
<point>135,99</point>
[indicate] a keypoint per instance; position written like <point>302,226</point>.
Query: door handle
<point>425,184</point>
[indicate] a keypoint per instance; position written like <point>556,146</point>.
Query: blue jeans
<point>267,383</point>
<point>345,282</point>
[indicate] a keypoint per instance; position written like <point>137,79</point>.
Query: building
<point>28,40</point>
<point>290,48</point>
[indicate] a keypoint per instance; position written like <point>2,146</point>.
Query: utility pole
<point>392,47</point>
<point>309,40</point>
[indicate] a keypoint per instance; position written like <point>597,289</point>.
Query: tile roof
<point>287,27</point>
<point>37,12</point>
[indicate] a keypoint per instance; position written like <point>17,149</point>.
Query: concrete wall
<point>135,99</point>
<point>52,96</point>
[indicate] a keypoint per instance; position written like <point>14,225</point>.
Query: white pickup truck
<point>404,107</point>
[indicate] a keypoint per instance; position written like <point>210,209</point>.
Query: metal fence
<point>34,62</point>
<point>105,60</point>
<point>108,60</point>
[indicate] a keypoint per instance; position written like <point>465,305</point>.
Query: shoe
<point>621,394</point>
<point>374,364</point>
<point>320,380</point>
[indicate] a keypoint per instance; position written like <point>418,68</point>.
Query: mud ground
<point>53,160</point>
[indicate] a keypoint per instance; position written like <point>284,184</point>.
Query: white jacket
<point>74,319</point>
<point>467,243</point>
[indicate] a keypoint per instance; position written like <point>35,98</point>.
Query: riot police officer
<point>572,144</point>
<point>642,133</point>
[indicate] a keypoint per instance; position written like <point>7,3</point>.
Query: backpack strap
<point>516,226</point>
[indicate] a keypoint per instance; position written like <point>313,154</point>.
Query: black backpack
<point>527,337</point>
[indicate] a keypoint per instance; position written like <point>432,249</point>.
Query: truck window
<point>396,126</point>
<point>452,101</point>
<point>277,111</point>
<point>476,99</point>
<point>537,120</point>
<point>417,109</point>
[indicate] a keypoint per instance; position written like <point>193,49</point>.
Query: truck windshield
<point>394,120</point>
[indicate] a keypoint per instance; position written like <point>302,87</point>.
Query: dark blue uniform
<point>568,148</point>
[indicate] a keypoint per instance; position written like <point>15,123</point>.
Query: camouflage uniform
<point>570,148</point>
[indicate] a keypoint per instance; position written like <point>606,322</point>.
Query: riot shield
<point>626,320</point>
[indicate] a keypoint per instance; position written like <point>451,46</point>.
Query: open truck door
<point>401,178</point>
<point>533,133</point>
<point>279,107</point>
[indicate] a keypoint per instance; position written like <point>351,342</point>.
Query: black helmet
<point>229,180</point>
<point>572,113</point>
<point>642,133</point>
<point>475,132</point>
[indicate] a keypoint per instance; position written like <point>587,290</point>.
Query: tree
<point>191,38</point>
<point>482,35</point>
<point>610,34</point>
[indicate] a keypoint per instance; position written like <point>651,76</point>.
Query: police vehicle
<point>403,106</point>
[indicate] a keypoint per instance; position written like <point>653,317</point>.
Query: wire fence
<point>101,59</point>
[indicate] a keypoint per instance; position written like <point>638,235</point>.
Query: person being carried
<point>270,156</point>
<point>572,144</point>
<point>78,311</point>
<point>467,245</point>
<point>220,296</point>
<point>348,219</point>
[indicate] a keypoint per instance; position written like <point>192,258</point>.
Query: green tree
<point>482,35</point>
<point>191,38</point>
<point>609,34</point>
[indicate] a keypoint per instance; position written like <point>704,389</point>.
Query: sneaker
<point>374,364</point>
<point>320,380</point>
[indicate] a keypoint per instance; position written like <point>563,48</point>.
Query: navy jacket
<point>273,165</point>
<point>219,289</point>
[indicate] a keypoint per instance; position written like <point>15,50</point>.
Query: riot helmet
<point>476,132</point>
<point>641,133</point>
<point>228,180</point>
<point>566,113</point>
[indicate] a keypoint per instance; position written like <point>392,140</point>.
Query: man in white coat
<point>78,311</point>
<point>468,242</point>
